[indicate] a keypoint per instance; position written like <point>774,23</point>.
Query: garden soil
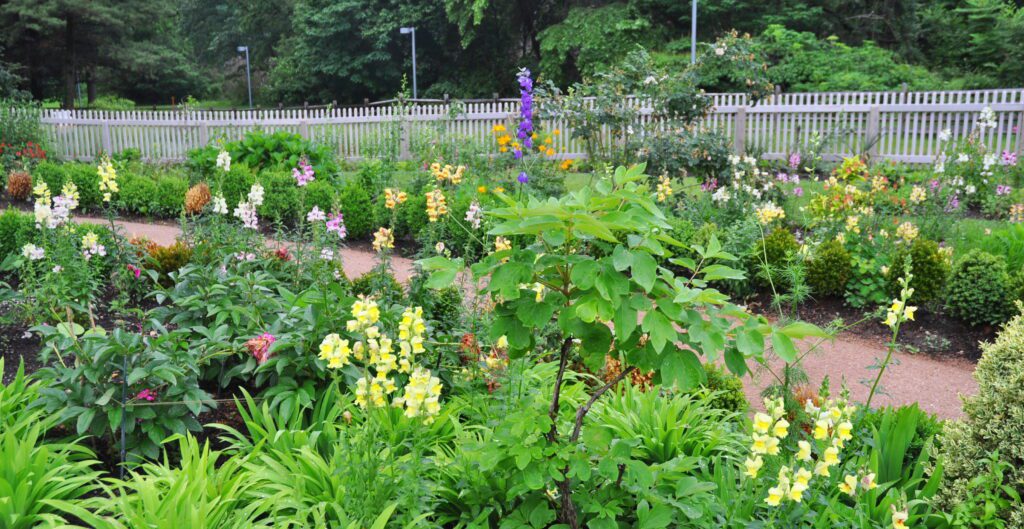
<point>935,383</point>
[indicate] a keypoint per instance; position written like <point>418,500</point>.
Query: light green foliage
<point>829,269</point>
<point>16,229</point>
<point>979,289</point>
<point>37,475</point>
<point>992,427</point>
<point>595,253</point>
<point>800,61</point>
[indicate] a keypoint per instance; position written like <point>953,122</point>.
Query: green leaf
<point>735,362</point>
<point>105,398</point>
<point>645,270</point>
<point>682,369</point>
<point>660,329</point>
<point>718,272</point>
<point>783,346</point>
<point>750,342</point>
<point>84,420</point>
<point>621,258</point>
<point>798,330</point>
<point>625,321</point>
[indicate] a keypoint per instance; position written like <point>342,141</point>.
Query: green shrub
<point>929,266</point>
<point>382,285</point>
<point>16,230</point>
<point>777,248</point>
<point>829,269</point>
<point>137,194</point>
<point>412,216</point>
<point>281,199</point>
<point>979,289</point>
<point>170,195</point>
<point>726,387</point>
<point>320,193</point>
<point>992,424</point>
<point>358,210</point>
<point>443,307</point>
<point>235,184</point>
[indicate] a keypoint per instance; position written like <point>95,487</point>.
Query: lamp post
<point>248,75</point>
<point>412,32</point>
<point>693,34</point>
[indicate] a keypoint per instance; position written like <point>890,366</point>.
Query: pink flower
<point>336,224</point>
<point>798,191</point>
<point>794,160</point>
<point>136,271</point>
<point>303,174</point>
<point>147,395</point>
<point>1009,158</point>
<point>260,347</point>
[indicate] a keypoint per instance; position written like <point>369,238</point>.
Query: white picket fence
<point>900,126</point>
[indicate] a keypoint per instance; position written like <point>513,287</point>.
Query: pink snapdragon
<point>1009,158</point>
<point>303,174</point>
<point>135,271</point>
<point>336,224</point>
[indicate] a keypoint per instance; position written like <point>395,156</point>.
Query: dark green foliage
<point>829,269</point>
<point>700,152</point>
<point>727,389</point>
<point>137,194</point>
<point>769,255</point>
<point>170,195</point>
<point>320,193</point>
<point>15,230</point>
<point>443,307</point>
<point>358,210</point>
<point>382,285</point>
<point>979,289</point>
<point>929,267</point>
<point>235,184</point>
<point>589,39</point>
<point>280,199</point>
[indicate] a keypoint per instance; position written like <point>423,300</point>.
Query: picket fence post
<point>739,137</point>
<point>873,132</point>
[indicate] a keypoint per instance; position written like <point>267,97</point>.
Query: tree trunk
<point>91,79</point>
<point>69,62</point>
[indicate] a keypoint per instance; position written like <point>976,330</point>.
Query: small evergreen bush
<point>979,289</point>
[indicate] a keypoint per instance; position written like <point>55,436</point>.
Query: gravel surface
<point>936,384</point>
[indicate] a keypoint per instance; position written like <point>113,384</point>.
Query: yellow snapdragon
<point>108,179</point>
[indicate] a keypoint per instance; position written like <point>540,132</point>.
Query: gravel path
<point>935,384</point>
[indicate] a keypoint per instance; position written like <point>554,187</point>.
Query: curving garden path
<point>935,384</point>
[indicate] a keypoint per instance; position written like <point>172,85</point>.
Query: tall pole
<point>414,88</point>
<point>248,74</point>
<point>693,33</point>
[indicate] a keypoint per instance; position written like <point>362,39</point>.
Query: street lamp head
<point>243,49</point>
<point>406,31</point>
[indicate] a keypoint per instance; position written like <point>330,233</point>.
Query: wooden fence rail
<point>899,126</point>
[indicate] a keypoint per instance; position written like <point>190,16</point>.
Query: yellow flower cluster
<point>437,205</point>
<point>900,312</point>
<point>42,193</point>
<point>918,195</point>
<point>376,350</point>
<point>907,232</point>
<point>1017,213</point>
<point>421,396</point>
<point>501,244</point>
<point>664,188</point>
<point>448,173</point>
<point>70,191</point>
<point>832,428</point>
<point>394,197</point>
<point>566,164</point>
<point>108,179</point>
<point>853,223</point>
<point>383,239</point>
<point>769,212</point>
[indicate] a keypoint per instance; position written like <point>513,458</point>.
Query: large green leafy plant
<point>589,262</point>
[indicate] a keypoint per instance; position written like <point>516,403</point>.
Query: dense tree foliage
<point>346,50</point>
